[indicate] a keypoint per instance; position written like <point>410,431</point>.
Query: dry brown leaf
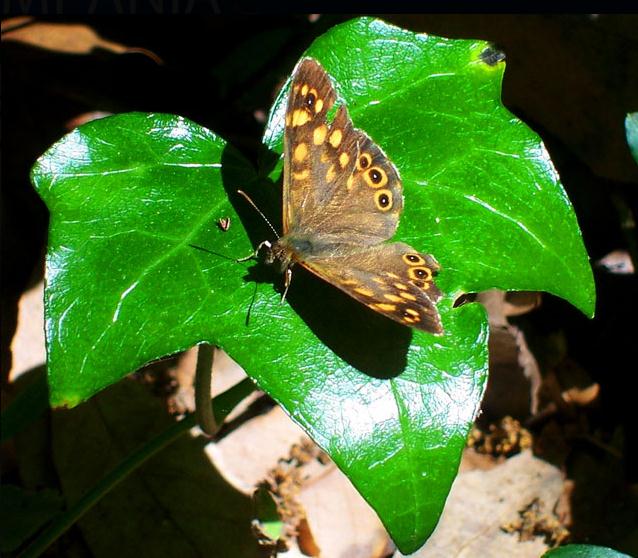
<point>69,38</point>
<point>480,502</point>
<point>518,303</point>
<point>247,454</point>
<point>343,524</point>
<point>27,346</point>
<point>514,378</point>
<point>306,540</point>
<point>582,396</point>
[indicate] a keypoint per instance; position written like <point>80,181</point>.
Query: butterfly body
<point>342,198</point>
<point>291,249</point>
<point>298,248</point>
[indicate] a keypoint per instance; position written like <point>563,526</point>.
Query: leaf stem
<point>203,378</point>
<point>224,403</point>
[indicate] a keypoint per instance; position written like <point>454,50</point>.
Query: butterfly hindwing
<point>392,279</point>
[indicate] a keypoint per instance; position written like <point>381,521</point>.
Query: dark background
<point>572,78</point>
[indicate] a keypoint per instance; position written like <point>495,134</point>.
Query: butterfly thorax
<point>292,248</point>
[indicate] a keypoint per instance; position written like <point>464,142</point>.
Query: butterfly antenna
<point>251,202</point>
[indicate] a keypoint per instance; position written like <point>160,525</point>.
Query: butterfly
<point>342,199</point>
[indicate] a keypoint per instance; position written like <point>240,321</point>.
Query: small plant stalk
<point>203,378</point>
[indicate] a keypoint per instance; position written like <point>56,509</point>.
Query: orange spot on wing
<point>375,177</point>
<point>300,117</point>
<point>301,175</point>
<point>319,135</point>
<point>383,200</point>
<point>385,307</point>
<point>335,138</point>
<point>363,291</point>
<point>301,151</point>
<point>364,161</point>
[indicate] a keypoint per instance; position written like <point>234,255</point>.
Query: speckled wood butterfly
<point>342,198</point>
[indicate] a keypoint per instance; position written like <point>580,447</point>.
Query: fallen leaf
<point>69,38</point>
<point>482,501</point>
<point>27,346</point>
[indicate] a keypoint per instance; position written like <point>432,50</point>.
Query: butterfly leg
<point>287,281</point>
<point>265,243</point>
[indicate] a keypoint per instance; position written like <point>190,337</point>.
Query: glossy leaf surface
<point>584,551</point>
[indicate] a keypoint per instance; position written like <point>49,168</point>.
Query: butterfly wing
<point>339,186</point>
<point>392,279</point>
<point>311,97</point>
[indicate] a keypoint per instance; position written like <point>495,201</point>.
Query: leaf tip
<point>64,401</point>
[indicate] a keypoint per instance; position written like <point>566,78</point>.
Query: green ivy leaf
<point>584,551</point>
<point>134,199</point>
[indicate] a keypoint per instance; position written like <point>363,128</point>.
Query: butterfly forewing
<point>337,182</point>
<point>311,97</point>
